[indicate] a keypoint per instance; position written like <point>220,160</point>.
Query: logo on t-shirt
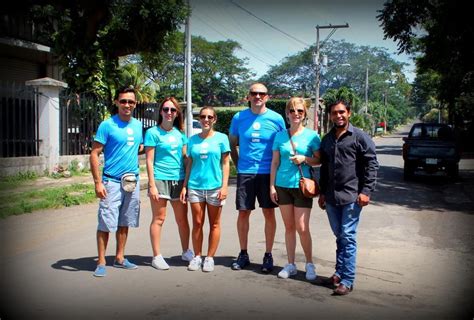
<point>204,151</point>
<point>131,138</point>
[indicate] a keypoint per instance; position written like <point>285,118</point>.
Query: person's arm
<point>323,178</point>
<point>225,161</point>
<point>367,151</point>
<point>234,149</point>
<point>97,149</point>
<point>273,170</point>
<point>188,164</point>
<point>150,158</point>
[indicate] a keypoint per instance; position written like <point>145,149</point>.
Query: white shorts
<point>208,196</point>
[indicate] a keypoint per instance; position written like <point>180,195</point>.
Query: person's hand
<point>298,159</point>
<point>182,195</point>
<point>100,190</point>
<point>222,195</point>
<point>322,202</point>
<point>363,200</point>
<point>273,194</point>
<point>153,193</point>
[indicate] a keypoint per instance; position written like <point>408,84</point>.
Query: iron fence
<point>19,121</point>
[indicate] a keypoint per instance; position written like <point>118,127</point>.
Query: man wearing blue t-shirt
<point>121,139</point>
<point>251,137</point>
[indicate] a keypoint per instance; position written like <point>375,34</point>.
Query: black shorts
<point>293,196</point>
<point>251,186</point>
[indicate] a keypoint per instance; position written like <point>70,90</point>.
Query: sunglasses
<point>300,111</point>
<point>125,101</point>
<point>254,94</point>
<point>204,117</point>
<point>166,110</point>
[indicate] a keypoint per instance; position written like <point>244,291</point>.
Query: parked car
<point>196,127</point>
<point>430,147</point>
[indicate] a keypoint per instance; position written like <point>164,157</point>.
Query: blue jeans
<point>344,221</point>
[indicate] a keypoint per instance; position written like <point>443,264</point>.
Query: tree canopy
<point>440,32</point>
<point>89,36</point>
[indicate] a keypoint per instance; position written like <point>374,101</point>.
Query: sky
<point>263,46</point>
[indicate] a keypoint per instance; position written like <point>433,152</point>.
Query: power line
<point>269,24</point>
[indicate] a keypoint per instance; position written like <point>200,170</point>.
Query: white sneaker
<point>195,263</point>
<point>288,271</point>
<point>159,263</point>
<point>310,272</point>
<point>188,255</point>
<point>208,265</point>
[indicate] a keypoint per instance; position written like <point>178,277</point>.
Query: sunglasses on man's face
<point>300,111</point>
<point>261,94</point>
<point>125,101</point>
<point>166,110</point>
<point>204,117</point>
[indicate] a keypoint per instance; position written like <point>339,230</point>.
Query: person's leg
<point>335,219</point>
<point>198,210</point>
<point>181,216</point>
<point>301,222</point>
<point>288,217</point>
<point>243,225</point>
<point>214,213</point>
<point>158,209</point>
<point>348,235</point>
<point>102,240</point>
<point>121,236</point>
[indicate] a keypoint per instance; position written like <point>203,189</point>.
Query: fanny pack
<point>129,182</point>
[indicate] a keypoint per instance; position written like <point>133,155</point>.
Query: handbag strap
<point>294,150</point>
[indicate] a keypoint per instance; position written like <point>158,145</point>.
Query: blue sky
<point>264,46</point>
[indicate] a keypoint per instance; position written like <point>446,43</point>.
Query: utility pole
<point>318,71</point>
<point>366,109</point>
<point>187,59</point>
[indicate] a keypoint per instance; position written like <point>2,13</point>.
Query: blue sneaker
<point>267,265</point>
<point>242,261</point>
<point>125,264</point>
<point>100,271</point>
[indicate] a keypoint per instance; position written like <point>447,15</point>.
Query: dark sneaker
<point>267,265</point>
<point>241,262</point>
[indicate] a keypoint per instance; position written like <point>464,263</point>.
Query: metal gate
<point>18,121</point>
<point>80,117</point>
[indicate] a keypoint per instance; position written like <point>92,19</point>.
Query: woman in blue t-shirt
<point>165,147</point>
<point>284,183</point>
<point>205,184</point>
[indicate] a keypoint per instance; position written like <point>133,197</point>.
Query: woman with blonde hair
<point>297,146</point>
<point>165,148</point>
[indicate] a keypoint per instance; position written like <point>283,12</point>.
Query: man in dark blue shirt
<point>348,175</point>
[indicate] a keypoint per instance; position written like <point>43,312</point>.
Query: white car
<point>196,127</point>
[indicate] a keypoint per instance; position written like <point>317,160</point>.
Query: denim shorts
<point>207,196</point>
<point>119,208</point>
<point>169,189</point>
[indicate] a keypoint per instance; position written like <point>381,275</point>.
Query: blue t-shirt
<point>306,143</point>
<point>121,141</point>
<point>206,171</point>
<point>168,163</point>
<point>256,133</point>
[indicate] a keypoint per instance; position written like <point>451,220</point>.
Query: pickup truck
<point>430,147</point>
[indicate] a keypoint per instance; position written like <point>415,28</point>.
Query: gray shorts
<point>119,208</point>
<point>293,196</point>
<point>208,196</point>
<point>169,189</point>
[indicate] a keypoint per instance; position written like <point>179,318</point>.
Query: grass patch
<point>57,197</point>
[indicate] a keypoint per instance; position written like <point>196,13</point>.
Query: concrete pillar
<point>48,112</point>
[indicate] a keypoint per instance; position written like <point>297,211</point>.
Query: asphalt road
<point>415,261</point>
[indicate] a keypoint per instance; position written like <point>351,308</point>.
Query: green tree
<point>217,74</point>
<point>88,37</point>
<point>440,32</point>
